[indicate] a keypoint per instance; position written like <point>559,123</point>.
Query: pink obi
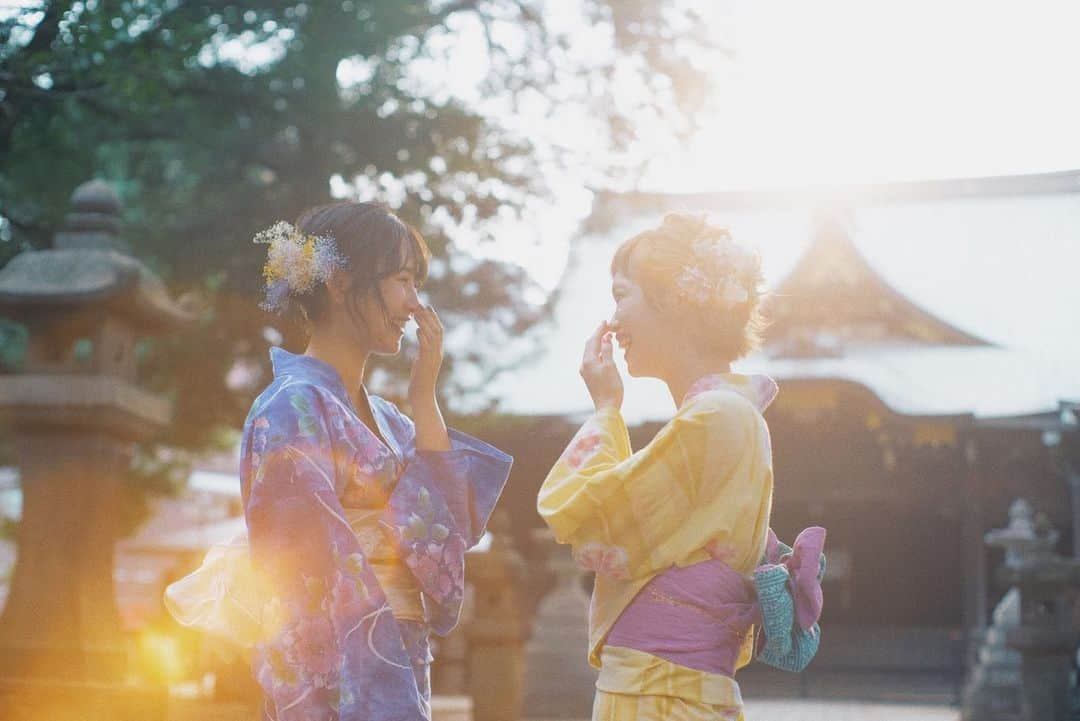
<point>700,616</point>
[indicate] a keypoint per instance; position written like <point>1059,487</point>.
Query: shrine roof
<point>936,380</point>
<point>942,298</point>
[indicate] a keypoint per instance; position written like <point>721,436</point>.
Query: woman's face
<point>384,329</point>
<point>645,334</point>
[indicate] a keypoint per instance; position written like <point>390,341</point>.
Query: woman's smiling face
<point>644,332</point>
<point>387,323</point>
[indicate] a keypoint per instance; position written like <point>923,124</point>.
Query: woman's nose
<point>412,301</point>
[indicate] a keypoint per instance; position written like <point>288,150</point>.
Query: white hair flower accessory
<point>295,263</point>
<point>719,273</point>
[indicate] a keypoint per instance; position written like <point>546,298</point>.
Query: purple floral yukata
<point>333,645</point>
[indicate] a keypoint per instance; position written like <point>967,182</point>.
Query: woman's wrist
<point>606,404</point>
<point>422,394</point>
<point>431,433</point>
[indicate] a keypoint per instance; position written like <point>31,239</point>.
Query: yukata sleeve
<point>438,511</point>
<point>628,515</point>
<point>330,646</point>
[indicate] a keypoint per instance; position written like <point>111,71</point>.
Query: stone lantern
<point>1026,671</point>
<point>73,415</point>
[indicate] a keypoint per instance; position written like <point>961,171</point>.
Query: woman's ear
<point>337,287</point>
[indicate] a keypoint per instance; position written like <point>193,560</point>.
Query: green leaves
<point>214,118</point>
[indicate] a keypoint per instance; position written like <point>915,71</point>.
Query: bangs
<point>408,251</point>
<point>623,259</point>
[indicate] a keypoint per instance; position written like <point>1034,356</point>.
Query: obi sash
<point>702,615</point>
<point>398,583</point>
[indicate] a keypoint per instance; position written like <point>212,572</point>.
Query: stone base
<point>451,708</point>
<point>24,700</point>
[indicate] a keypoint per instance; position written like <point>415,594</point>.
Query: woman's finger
<point>592,345</point>
<point>435,320</point>
<point>423,323</point>
<point>428,320</point>
<point>606,353</point>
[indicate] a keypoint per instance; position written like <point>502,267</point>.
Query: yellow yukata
<point>702,489</point>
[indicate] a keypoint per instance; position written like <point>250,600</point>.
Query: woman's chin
<point>391,346</point>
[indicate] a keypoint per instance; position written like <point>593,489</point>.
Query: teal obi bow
<point>788,584</point>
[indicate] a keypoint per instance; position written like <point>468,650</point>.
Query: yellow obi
<point>227,597</point>
<point>398,584</point>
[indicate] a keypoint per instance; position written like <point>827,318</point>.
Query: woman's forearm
<point>431,432</point>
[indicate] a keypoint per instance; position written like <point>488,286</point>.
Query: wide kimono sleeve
<point>705,481</point>
<point>331,647</point>
<point>438,510</point>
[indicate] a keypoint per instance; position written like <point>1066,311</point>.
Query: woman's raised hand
<point>599,372</point>
<point>425,369</point>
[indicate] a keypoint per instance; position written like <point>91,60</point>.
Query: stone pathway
<point>756,710</point>
<point>814,710</point>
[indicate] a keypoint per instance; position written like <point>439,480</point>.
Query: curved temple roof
<point>942,298</point>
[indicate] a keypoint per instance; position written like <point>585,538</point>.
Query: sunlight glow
<point>842,91</point>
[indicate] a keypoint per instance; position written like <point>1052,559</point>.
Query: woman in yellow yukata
<point>691,583</point>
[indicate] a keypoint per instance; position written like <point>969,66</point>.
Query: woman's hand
<point>599,372</point>
<point>431,432</point>
<point>425,369</point>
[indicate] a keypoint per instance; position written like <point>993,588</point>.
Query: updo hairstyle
<point>694,269</point>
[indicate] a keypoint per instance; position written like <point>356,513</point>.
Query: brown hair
<point>375,244</point>
<point>655,259</point>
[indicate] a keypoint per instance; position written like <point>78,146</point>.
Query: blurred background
<point>909,173</point>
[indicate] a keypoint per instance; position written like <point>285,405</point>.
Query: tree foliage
<point>213,118</point>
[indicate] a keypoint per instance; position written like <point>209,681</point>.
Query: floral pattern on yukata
<point>585,443</point>
<point>331,647</point>
<point>607,560</point>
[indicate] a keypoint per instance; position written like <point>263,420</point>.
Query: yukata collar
<point>291,364</point>
<point>758,388</point>
<point>324,374</point>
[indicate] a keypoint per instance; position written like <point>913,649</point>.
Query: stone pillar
<point>498,628</point>
<point>74,414</point>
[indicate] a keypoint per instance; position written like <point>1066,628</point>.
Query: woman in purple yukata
<point>358,517</point>
<point>691,583</point>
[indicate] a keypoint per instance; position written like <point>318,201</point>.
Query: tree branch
<point>47,30</point>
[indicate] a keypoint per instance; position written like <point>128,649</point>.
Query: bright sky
<point>848,91</point>
<point>824,92</point>
<point>855,90</point>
